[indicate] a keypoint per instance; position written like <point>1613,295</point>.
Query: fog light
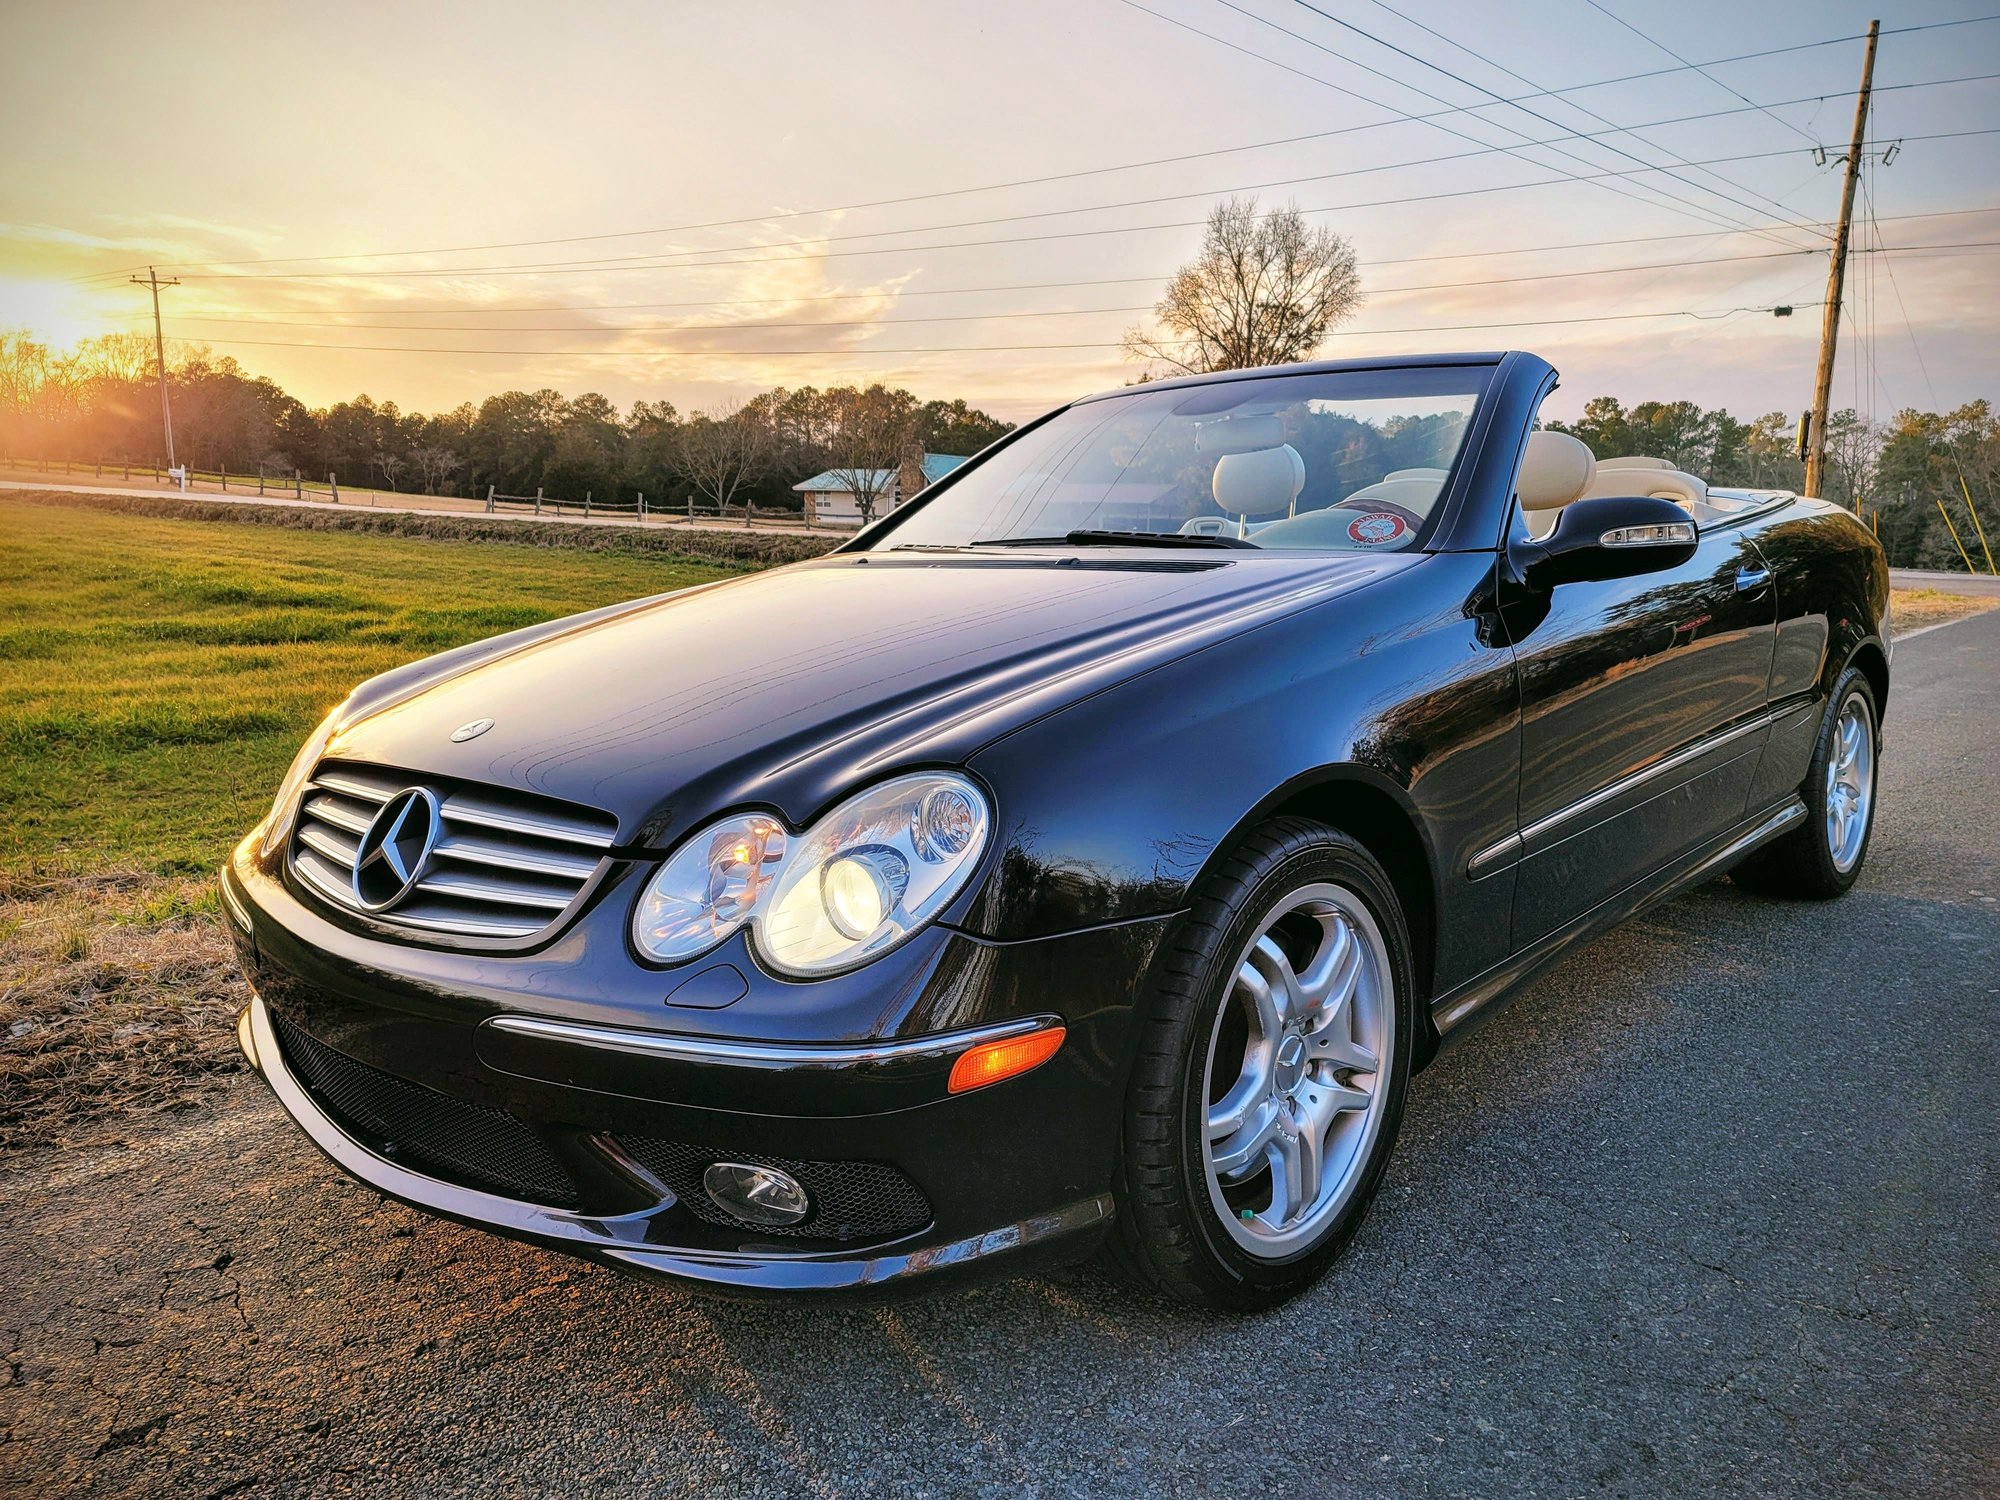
<point>756,1195</point>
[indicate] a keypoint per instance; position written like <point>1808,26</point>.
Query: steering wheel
<point>1380,523</point>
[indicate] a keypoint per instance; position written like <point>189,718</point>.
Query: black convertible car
<point>1089,850</point>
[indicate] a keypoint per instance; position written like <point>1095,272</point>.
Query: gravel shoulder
<point>1711,1209</point>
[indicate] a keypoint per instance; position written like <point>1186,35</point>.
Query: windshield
<point>1348,460</point>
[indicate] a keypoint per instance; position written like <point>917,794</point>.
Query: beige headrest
<point>1263,483</point>
<point>1635,462</point>
<point>1555,469</point>
<point>1437,474</point>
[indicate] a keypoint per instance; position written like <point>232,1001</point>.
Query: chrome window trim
<point>1516,844</point>
<point>679,1047</point>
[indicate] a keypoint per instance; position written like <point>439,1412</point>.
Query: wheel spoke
<point>1233,1110</point>
<point>1296,1155</point>
<point>1328,982</point>
<point>1243,1148</point>
<point>1267,977</point>
<point>1334,1044</point>
<point>1328,1097</point>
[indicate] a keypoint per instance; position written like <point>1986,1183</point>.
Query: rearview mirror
<point>1614,536</point>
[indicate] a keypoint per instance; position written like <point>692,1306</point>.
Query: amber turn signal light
<point>991,1062</point>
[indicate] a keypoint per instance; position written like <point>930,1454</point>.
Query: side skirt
<point>1476,998</point>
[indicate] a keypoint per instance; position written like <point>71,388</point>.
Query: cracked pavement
<point>1710,1209</point>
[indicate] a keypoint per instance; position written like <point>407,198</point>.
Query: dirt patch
<point>117,994</point>
<point>747,548</point>
<point>1913,609</point>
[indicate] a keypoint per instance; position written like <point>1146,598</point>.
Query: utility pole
<point>1829,333</point>
<point>153,281</point>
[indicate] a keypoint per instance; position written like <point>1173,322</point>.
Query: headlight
<point>854,885</point>
<point>285,806</point>
<point>709,888</point>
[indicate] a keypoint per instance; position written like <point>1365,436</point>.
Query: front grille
<point>506,866</point>
<point>851,1200</point>
<point>427,1131</point>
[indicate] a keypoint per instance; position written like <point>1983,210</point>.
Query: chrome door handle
<point>1751,578</point>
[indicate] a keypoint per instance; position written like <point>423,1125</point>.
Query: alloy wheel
<point>1850,783</point>
<point>1296,1085</point>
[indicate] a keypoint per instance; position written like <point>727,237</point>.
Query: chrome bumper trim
<point>679,1047</point>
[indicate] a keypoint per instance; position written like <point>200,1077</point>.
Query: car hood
<point>786,688</point>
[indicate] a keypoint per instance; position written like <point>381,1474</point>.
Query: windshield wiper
<point>1095,538</point>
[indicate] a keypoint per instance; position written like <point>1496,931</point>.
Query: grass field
<point>156,676</point>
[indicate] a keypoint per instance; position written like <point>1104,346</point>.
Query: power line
<point>1705,215</point>
<point>1699,68</point>
<point>1665,265</point>
<point>1038,286</point>
<point>1703,209</point>
<point>1633,131</point>
<point>937,349</point>
<point>1065,312</point>
<point>1090,171</point>
<point>1910,328</point>
<point>624,263</point>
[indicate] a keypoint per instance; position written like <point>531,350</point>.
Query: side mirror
<point>1615,536</point>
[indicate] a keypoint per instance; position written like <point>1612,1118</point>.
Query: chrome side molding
<point>1504,852</point>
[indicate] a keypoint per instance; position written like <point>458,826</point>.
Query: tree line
<point>100,402</point>
<point>1915,479</point>
<point>1927,483</point>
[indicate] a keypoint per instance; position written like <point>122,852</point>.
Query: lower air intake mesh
<point>851,1200</point>
<point>423,1129</point>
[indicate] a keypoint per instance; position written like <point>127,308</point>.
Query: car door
<point>1642,717</point>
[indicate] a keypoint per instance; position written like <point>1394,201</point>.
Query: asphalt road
<point>1974,585</point>
<point>1712,1209</point>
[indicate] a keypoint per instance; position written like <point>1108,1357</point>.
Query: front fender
<point>1114,808</point>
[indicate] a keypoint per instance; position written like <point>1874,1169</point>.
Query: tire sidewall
<point>1238,1276</point>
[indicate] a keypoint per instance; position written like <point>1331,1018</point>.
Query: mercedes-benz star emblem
<point>396,848</point>
<point>470,731</point>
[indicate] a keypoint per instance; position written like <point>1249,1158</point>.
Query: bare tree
<point>388,465</point>
<point>719,450</point>
<point>434,465</point>
<point>1853,451</point>
<point>870,430</point>
<point>1263,291</point>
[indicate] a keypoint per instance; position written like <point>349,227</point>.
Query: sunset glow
<point>988,224</point>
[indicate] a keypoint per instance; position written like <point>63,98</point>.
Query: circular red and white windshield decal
<point>1377,528</point>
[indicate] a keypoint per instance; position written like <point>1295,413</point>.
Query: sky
<point>698,202</point>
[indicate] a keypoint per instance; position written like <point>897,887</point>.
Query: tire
<point>1200,1213</point>
<point>1823,857</point>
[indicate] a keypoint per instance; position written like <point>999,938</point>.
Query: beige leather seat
<point>1649,476</point>
<point>1555,470</point>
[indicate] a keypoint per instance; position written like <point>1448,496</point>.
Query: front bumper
<point>1009,1177</point>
